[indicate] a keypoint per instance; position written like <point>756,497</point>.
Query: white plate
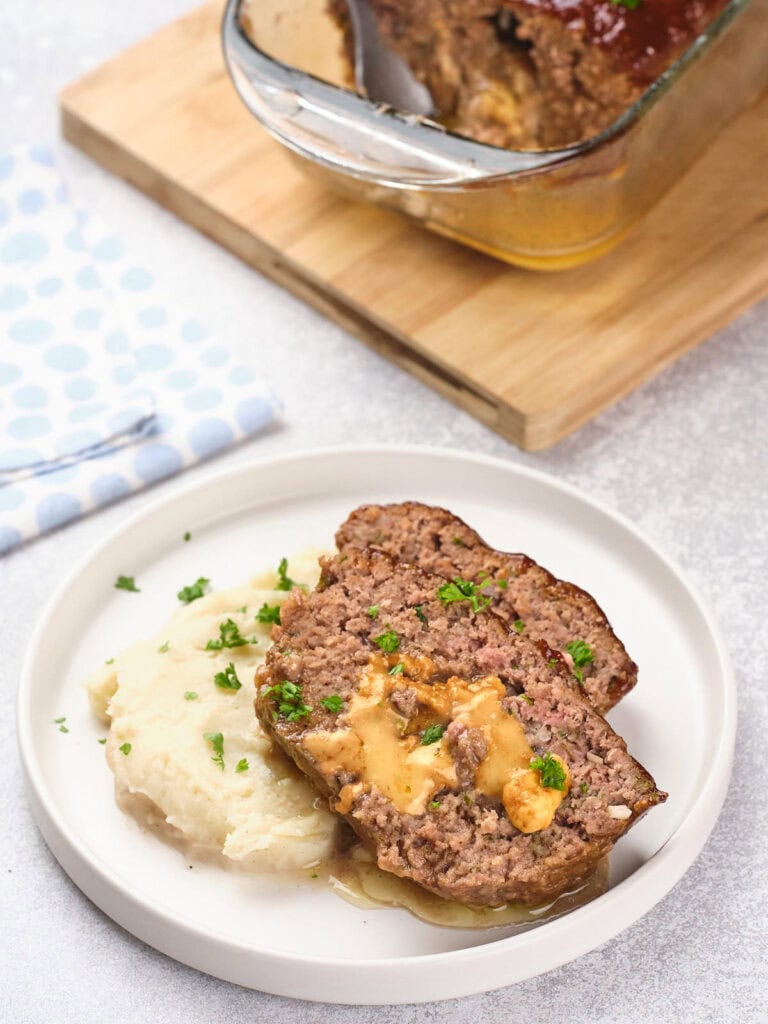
<point>296,940</point>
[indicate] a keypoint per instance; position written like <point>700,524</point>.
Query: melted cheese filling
<point>384,749</point>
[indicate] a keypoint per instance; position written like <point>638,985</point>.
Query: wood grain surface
<point>532,355</point>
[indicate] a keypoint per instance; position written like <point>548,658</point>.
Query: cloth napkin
<point>105,388</point>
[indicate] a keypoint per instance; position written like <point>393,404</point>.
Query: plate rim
<point>106,887</point>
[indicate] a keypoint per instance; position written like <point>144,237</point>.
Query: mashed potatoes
<point>227,792</point>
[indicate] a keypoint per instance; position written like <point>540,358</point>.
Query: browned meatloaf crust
<point>544,607</point>
<point>463,846</point>
<point>536,73</point>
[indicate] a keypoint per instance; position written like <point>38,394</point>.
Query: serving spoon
<point>379,72</point>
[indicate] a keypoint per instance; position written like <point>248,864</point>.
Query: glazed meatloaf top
<point>535,73</point>
<point>460,752</point>
<point>527,596</point>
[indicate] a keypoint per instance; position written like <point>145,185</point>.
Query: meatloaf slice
<point>431,727</point>
<point>521,591</point>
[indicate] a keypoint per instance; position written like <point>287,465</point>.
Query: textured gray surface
<point>684,457</point>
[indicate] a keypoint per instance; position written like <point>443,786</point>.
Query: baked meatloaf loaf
<point>536,73</point>
<point>529,599</point>
<point>459,751</point>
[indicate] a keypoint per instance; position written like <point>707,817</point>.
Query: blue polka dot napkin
<point>104,388</point>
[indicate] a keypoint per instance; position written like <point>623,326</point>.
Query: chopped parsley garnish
<point>187,536</point>
<point>389,642</point>
<point>419,609</point>
<point>553,662</point>
<point>432,734</point>
<point>582,655</point>
<point>396,670</point>
<point>190,695</point>
<point>433,805</point>
<point>460,543</point>
<point>243,609</point>
<point>199,588</point>
<point>110,661</point>
<point>284,581</point>
<point>631,5</point>
<point>463,590</point>
<point>217,745</point>
<point>551,772</point>
<point>103,740</point>
<point>126,583</point>
<point>502,582</point>
<point>584,787</point>
<point>289,702</point>
<point>63,728</point>
<point>125,748</point>
<point>229,636</point>
<point>373,611</point>
<point>526,698</point>
<point>227,680</point>
<point>58,721</point>
<point>518,625</point>
<point>333,703</point>
<point>269,613</point>
<point>242,765</point>
<point>163,648</point>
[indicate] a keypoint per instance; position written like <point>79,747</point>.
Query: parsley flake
<point>584,787</point>
<point>227,680</point>
<point>334,703</point>
<point>126,583</point>
<point>58,721</point>
<point>242,765</point>
<point>287,698</point>
<point>284,581</point>
<point>190,695</point>
<point>432,734</point>
<point>373,611</point>
<point>217,745</point>
<point>187,536</point>
<point>125,748</point>
<point>229,636</point>
<point>502,583</point>
<point>463,590</point>
<point>199,588</point>
<point>63,728</point>
<point>460,543</point>
<point>396,670</point>
<point>433,805</point>
<point>102,741</point>
<point>419,609</point>
<point>389,642</point>
<point>110,661</point>
<point>631,5</point>
<point>526,698</point>
<point>582,655</point>
<point>551,772</point>
<point>269,613</point>
<point>518,625</point>
<point>163,648</point>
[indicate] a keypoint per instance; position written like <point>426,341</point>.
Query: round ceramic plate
<point>292,938</point>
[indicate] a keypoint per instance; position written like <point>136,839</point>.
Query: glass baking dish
<point>546,209</point>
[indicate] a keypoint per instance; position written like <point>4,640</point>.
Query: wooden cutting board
<point>532,355</point>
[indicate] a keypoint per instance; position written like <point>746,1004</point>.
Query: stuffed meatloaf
<point>529,598</point>
<point>536,73</point>
<point>459,751</point>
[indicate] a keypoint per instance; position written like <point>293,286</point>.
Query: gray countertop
<point>684,457</point>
